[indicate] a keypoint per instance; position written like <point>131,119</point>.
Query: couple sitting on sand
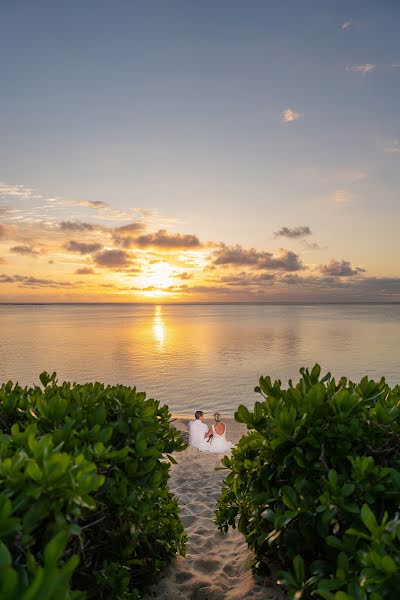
<point>208,439</point>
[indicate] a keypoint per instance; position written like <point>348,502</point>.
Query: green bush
<point>84,501</point>
<point>316,484</point>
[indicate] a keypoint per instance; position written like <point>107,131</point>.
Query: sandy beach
<point>216,565</point>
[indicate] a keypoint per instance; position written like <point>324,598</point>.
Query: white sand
<point>215,564</point>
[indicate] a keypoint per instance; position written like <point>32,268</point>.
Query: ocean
<point>191,357</point>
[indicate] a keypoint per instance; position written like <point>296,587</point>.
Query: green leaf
<point>389,566</point>
<point>44,378</point>
<point>332,477</point>
<point>357,533</point>
<point>315,373</point>
<point>348,489</point>
<point>289,497</point>
<point>8,584</point>
<point>34,472</point>
<point>368,518</point>
<point>5,556</point>
<point>242,415</point>
<point>74,529</point>
<point>343,596</point>
<point>298,566</point>
<point>324,594</point>
<point>334,542</point>
<point>55,548</point>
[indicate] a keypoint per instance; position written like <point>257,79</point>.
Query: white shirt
<point>197,429</point>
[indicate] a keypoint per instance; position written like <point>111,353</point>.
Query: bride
<point>218,441</point>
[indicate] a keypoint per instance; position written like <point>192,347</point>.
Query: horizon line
<point>282,303</point>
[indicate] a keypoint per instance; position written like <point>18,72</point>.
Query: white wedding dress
<point>219,443</point>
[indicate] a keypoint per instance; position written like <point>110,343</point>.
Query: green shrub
<point>316,484</point>
<point>84,501</point>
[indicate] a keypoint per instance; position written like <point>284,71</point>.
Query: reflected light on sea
<point>191,357</point>
<point>159,329</point>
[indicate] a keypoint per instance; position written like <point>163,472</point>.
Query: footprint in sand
<point>206,545</point>
<point>188,520</point>
<point>183,577</point>
<point>215,564</point>
<point>204,566</point>
<point>229,570</point>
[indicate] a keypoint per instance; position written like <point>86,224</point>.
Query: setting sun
<point>156,279</point>
<point>160,275</point>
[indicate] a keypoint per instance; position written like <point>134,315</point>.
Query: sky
<point>183,151</point>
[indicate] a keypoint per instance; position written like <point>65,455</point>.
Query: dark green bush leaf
<point>316,484</point>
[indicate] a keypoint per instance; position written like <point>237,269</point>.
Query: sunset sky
<point>182,151</point>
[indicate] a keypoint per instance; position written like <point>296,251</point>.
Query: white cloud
<point>393,148</point>
<point>346,25</point>
<point>289,115</point>
<point>17,191</point>
<point>105,212</point>
<point>95,204</point>
<point>363,69</point>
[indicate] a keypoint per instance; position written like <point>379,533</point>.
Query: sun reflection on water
<point>158,327</point>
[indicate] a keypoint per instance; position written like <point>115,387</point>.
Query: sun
<point>156,279</point>
<point>159,275</point>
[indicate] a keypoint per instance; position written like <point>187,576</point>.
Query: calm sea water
<point>208,357</point>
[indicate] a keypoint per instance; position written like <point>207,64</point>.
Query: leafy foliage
<point>316,483</point>
<point>84,500</point>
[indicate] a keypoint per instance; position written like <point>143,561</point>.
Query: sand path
<point>215,564</point>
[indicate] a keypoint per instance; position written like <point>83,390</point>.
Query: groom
<point>197,431</point>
